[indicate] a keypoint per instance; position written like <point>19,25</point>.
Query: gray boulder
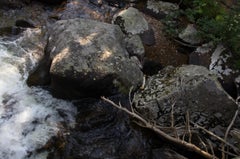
<point>159,7</point>
<point>131,21</point>
<point>89,58</point>
<point>191,88</point>
<point>190,35</point>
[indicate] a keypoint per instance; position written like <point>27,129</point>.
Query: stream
<point>29,117</point>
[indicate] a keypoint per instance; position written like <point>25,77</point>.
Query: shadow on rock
<point>103,132</point>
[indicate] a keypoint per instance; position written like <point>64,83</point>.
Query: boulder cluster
<point>88,55</point>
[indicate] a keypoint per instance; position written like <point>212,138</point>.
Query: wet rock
<point>103,132</point>
<point>10,31</point>
<point>34,41</point>
<point>31,41</point>
<point>190,35</point>
<point>35,15</point>
<point>89,58</point>
<point>40,75</point>
<point>187,88</point>
<point>24,24</point>
<point>131,21</point>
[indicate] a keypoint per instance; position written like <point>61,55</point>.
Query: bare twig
<point>172,115</point>
<point>184,144</point>
<point>130,100</point>
<point>188,127</point>
<point>217,137</point>
<point>229,153</point>
<point>227,132</point>
<point>211,147</point>
<point>201,141</point>
<point>173,121</point>
<point>144,82</point>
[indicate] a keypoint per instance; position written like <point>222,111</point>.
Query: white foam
<point>29,117</point>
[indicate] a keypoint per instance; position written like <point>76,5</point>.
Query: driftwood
<point>176,141</point>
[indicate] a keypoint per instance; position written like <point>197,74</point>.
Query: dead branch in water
<point>144,123</point>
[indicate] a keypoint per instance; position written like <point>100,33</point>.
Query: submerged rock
<point>187,88</point>
<point>89,58</point>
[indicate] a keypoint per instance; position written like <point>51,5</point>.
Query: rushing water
<point>29,117</point>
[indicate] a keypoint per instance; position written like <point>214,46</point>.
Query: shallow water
<point>29,117</point>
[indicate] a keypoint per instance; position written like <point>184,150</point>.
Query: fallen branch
<point>227,132</point>
<point>217,137</point>
<point>163,135</point>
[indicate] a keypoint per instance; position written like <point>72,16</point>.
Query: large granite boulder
<point>89,58</point>
<point>131,21</point>
<point>191,88</point>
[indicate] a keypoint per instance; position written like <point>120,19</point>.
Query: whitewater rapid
<point>29,117</point>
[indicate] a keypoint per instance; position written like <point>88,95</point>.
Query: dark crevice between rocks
<point>52,2</point>
<point>67,88</point>
<point>15,31</point>
<point>151,67</point>
<point>10,31</point>
<point>40,76</point>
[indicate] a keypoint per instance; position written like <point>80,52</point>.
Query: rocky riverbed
<point>80,50</point>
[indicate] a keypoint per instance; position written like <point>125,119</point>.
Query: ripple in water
<point>29,117</point>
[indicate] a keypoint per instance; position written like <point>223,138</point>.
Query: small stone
<point>190,35</point>
<point>134,46</point>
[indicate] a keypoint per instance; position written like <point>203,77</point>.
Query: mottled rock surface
<point>161,6</point>
<point>131,21</point>
<point>190,35</point>
<point>187,88</point>
<point>89,58</point>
